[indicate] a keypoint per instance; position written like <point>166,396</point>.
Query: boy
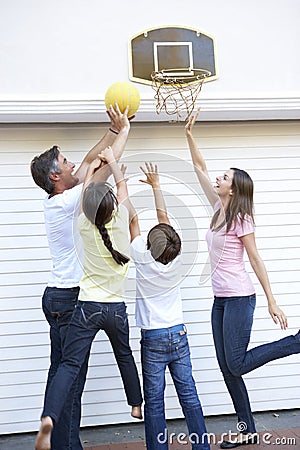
<point>159,315</point>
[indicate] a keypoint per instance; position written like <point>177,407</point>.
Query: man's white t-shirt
<point>61,217</point>
<point>158,297</point>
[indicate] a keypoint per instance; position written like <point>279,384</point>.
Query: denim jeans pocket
<point>154,356</point>
<point>153,348</point>
<point>181,346</point>
<point>92,313</point>
<point>59,301</point>
<point>89,314</point>
<point>121,316</point>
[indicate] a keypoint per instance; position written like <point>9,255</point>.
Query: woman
<point>104,228</point>
<point>231,231</point>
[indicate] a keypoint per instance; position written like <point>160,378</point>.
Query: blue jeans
<point>58,305</point>
<point>161,348</point>
<point>88,318</point>
<point>232,319</point>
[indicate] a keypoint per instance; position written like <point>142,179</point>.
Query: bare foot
<point>136,412</point>
<point>43,439</point>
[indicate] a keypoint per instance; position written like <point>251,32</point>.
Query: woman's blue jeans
<point>58,305</point>
<point>88,318</point>
<point>232,319</point>
<point>162,348</point>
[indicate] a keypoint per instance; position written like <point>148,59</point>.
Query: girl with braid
<point>104,228</point>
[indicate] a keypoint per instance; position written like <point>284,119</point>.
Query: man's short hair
<point>164,243</point>
<point>41,166</point>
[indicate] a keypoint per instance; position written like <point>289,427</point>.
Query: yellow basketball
<point>124,94</point>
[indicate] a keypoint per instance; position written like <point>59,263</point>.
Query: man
<point>55,174</point>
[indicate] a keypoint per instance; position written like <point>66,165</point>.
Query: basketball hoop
<point>177,89</point>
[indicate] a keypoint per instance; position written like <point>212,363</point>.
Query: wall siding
<point>270,151</point>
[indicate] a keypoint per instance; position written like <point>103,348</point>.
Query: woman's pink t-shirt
<point>226,251</point>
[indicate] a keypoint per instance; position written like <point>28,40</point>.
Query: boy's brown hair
<point>164,243</point>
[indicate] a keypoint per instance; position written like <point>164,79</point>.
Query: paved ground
<point>278,430</point>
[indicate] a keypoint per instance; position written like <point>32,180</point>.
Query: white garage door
<point>269,151</point>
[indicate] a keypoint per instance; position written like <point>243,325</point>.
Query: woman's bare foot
<point>136,412</point>
<point>43,439</point>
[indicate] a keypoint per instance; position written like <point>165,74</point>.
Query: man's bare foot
<point>43,439</point>
<point>136,412</point>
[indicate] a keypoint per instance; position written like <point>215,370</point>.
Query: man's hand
<point>152,176</point>
<point>118,120</point>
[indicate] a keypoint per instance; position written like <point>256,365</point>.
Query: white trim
<point>213,109</point>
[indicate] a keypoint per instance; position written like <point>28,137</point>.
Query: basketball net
<point>175,94</point>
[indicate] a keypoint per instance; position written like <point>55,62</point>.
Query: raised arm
<point>107,156</point>
<point>91,169</point>
<point>199,162</point>
<point>119,125</point>
<point>152,178</point>
<point>117,147</point>
<point>122,192</point>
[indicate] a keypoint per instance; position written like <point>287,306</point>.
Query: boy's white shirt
<point>158,297</point>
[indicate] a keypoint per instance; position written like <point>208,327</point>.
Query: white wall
<point>72,50</point>
<point>25,261</point>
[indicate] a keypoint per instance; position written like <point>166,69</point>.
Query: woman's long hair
<point>98,204</point>
<point>241,203</point>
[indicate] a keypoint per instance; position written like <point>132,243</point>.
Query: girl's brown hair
<point>241,203</point>
<point>98,204</point>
